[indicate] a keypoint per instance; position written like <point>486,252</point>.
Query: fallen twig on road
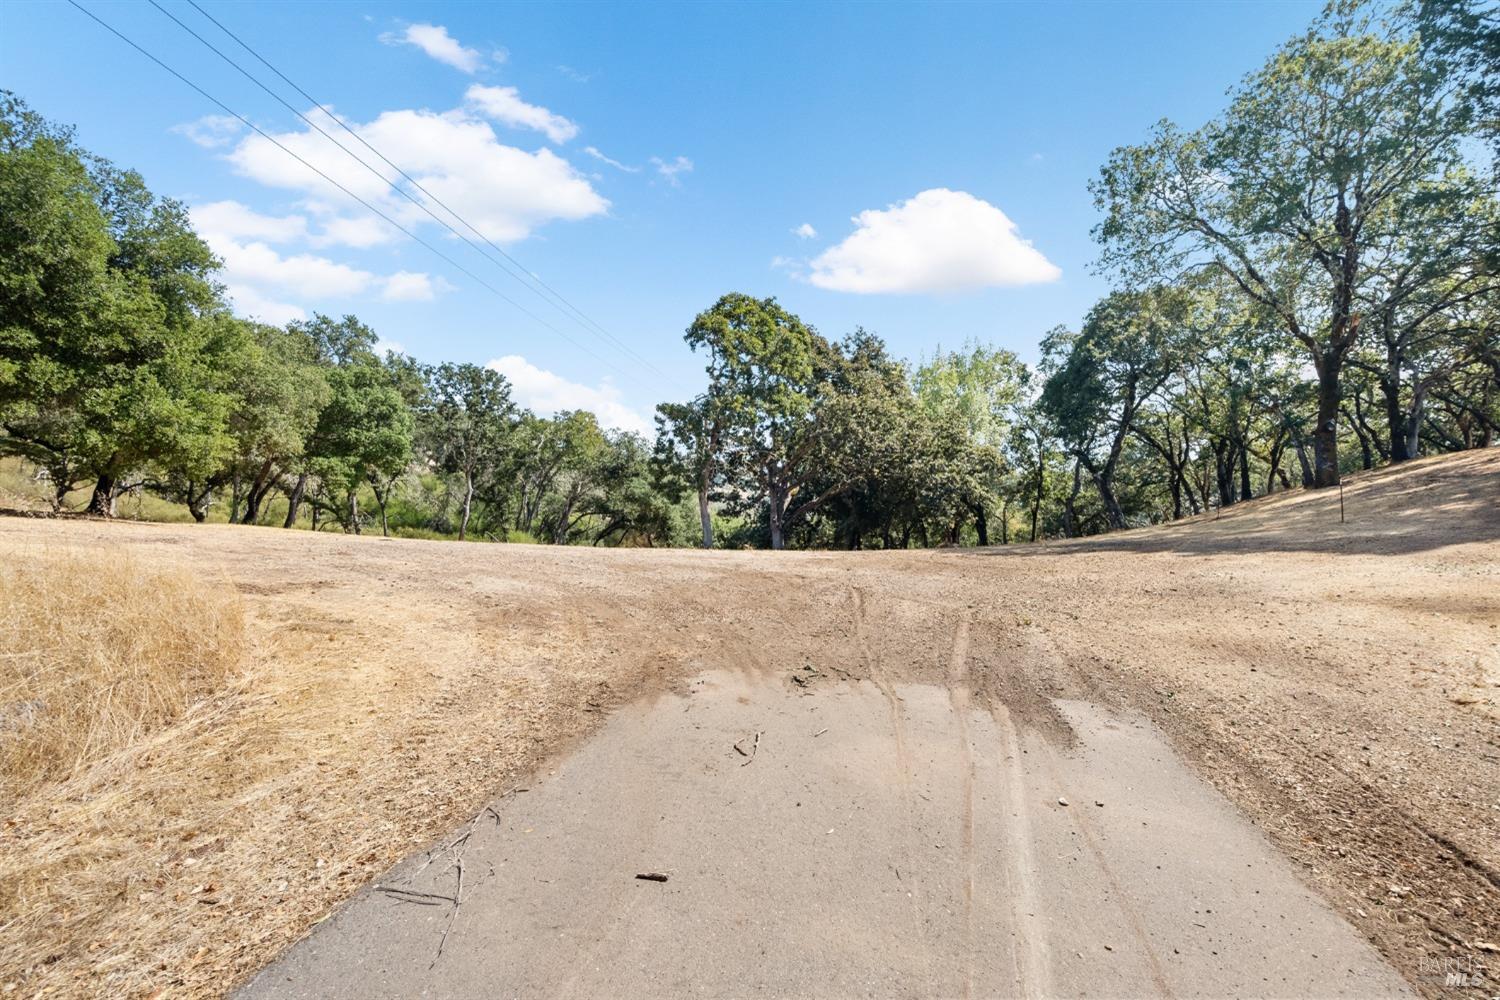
<point>749,757</point>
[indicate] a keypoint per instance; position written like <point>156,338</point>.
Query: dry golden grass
<point>364,722</point>
<point>100,651</point>
<point>104,659</point>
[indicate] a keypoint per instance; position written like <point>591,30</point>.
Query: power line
<point>524,277</point>
<point>526,273</point>
<point>274,141</point>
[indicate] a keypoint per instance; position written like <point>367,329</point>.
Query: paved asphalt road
<point>876,841</point>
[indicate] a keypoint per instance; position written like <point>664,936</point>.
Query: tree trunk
<point>981,524</point>
<point>1041,485</point>
<point>1224,472</point>
<point>1413,440</point>
<point>1366,454</point>
<point>463,525</point>
<point>61,476</point>
<point>1307,472</point>
<point>295,500</point>
<point>257,493</point>
<point>1005,523</point>
<point>1070,516</point>
<point>704,517</point>
<point>102,502</point>
<point>198,505</point>
<point>381,495</point>
<point>955,529</point>
<point>1395,417</point>
<point>564,524</point>
<point>354,510</point>
<point>1112,509</point>
<point>777,498</point>
<point>1326,436</point>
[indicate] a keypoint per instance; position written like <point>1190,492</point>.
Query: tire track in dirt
<point>871,663</point>
<point>958,698</point>
<point>1029,943</point>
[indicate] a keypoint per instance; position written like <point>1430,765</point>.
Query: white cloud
<point>614,163</point>
<point>575,75</point>
<point>546,392</point>
<point>302,275</point>
<point>412,286</point>
<point>211,131</point>
<point>681,165</point>
<point>383,347</point>
<point>259,279</point>
<point>805,231</point>
<point>939,241</point>
<point>434,40</point>
<point>232,221</point>
<point>360,231</point>
<point>503,191</point>
<point>252,304</point>
<point>504,105</point>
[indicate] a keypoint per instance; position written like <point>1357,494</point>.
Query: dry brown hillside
<point>1338,681</point>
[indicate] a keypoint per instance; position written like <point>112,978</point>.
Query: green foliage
<point>1306,284</point>
<point>467,426</point>
<point>1322,156</point>
<point>111,342</point>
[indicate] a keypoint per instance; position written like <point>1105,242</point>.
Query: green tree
<point>107,343</point>
<point>468,426</point>
<point>689,441</point>
<point>584,454</point>
<point>980,387</point>
<point>1099,379</point>
<point>1286,191</point>
<point>764,367</point>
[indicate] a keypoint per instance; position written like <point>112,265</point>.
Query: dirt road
<point>1328,693</point>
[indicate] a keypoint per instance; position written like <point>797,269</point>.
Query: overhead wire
<point>526,274</point>
<point>371,208</point>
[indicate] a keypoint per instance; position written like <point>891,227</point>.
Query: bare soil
<point>1337,681</point>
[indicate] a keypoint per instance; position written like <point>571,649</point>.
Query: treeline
<point>122,370</point>
<point>1306,285</point>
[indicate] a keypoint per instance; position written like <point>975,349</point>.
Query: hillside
<point>1338,682</point>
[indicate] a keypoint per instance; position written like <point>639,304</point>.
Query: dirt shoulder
<point>1337,682</point>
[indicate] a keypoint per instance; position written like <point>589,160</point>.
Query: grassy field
<point>282,715</point>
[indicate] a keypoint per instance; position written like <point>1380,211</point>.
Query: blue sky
<point>919,170</point>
